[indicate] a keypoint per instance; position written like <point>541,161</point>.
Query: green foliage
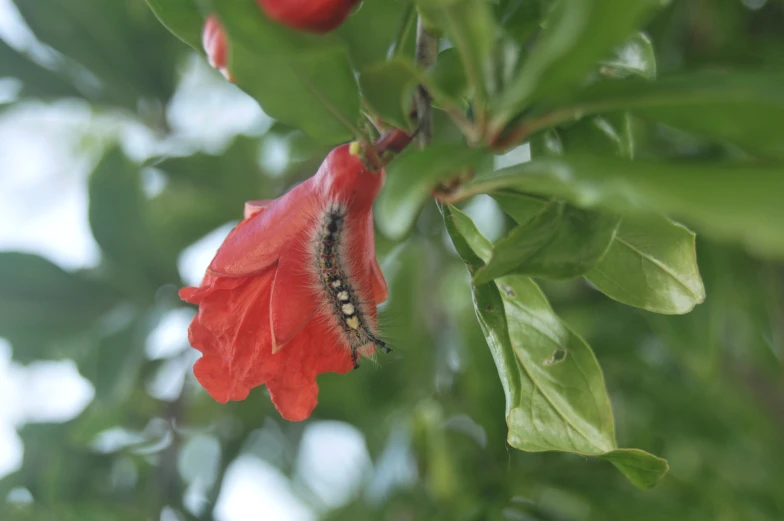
<point>181,17</point>
<point>555,395</point>
<point>742,108</point>
<point>729,201</point>
<point>119,223</point>
<point>576,35</point>
<point>558,241</point>
<point>644,120</point>
<point>408,189</point>
<point>278,66</point>
<point>37,81</point>
<point>42,305</point>
<point>651,264</point>
<point>388,88</point>
<point>119,43</point>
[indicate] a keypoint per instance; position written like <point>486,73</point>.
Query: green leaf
<point>447,75</point>
<point>119,221</point>
<point>370,31</point>
<point>576,35</point>
<point>411,178</point>
<point>595,135</point>
<point>37,81</point>
<point>559,241</point>
<point>467,239</point>
<point>520,18</point>
<point>120,43</point>
<point>561,400</point>
<point>471,27</point>
<point>555,394</point>
<point>182,18</point>
<point>651,264</point>
<point>114,364</point>
<point>520,207</point>
<point>247,24</point>
<point>299,79</point>
<point>635,57</point>
<point>41,303</point>
<point>388,89</point>
<point>644,470</point>
<point>743,108</point>
<point>729,202</point>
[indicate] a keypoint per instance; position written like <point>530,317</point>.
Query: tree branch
<point>426,49</point>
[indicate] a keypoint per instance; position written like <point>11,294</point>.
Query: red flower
<point>292,292</point>
<point>213,39</point>
<point>320,16</point>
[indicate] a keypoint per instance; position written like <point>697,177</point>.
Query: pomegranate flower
<point>292,292</point>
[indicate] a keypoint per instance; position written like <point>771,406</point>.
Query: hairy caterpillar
<point>345,303</point>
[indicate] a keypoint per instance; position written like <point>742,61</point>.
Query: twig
<point>426,49</point>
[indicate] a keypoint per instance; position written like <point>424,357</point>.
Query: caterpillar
<point>342,296</point>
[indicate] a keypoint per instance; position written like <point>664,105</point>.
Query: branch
<point>426,49</point>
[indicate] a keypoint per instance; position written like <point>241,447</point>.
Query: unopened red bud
<point>319,16</point>
<point>213,38</point>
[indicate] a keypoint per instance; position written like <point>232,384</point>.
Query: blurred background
<point>124,162</point>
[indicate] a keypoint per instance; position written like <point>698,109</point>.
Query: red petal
<point>254,207</point>
<point>294,397</point>
<point>186,294</point>
<point>256,243</point>
<point>317,349</point>
<point>232,333</point>
<point>377,282</point>
<point>294,295</point>
<point>380,290</point>
<point>372,280</point>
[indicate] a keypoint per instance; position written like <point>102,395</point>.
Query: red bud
<point>319,16</point>
<point>213,38</point>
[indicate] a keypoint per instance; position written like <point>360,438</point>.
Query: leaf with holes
<point>555,394</point>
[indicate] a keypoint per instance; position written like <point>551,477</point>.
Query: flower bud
<point>318,16</point>
<point>213,39</point>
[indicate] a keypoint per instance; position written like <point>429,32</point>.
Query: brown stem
<point>426,49</point>
<point>393,141</point>
<point>462,192</point>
